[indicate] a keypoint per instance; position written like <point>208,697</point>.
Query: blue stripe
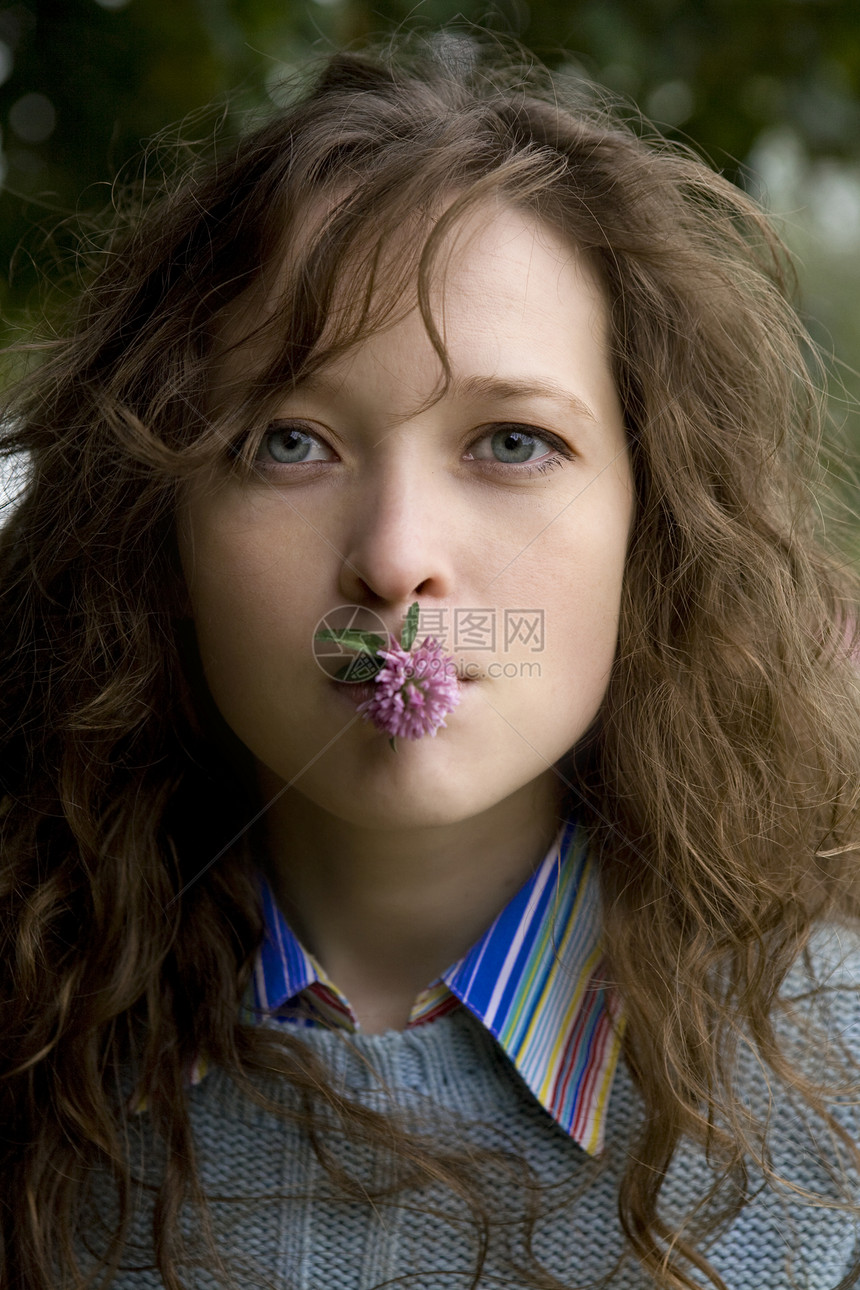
<point>479,970</point>
<point>541,916</point>
<point>286,968</point>
<point>538,918</point>
<point>477,974</point>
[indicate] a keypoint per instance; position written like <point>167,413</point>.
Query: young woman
<point>537,971</point>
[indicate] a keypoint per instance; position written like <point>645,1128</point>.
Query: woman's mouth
<point>360,691</point>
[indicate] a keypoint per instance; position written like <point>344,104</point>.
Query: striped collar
<point>535,980</point>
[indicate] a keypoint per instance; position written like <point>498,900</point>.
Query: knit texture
<point>281,1224</point>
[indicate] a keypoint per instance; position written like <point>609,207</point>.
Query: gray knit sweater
<point>280,1222</point>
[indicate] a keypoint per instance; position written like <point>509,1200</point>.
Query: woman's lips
<point>356,692</point>
<point>360,691</point>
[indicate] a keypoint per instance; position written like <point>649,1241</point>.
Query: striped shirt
<point>535,980</point>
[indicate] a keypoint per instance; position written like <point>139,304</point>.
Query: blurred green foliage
<point>84,83</point>
<point>87,82</point>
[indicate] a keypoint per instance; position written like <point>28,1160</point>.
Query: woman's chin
<point>424,783</point>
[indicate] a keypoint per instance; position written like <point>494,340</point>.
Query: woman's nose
<point>399,533</point>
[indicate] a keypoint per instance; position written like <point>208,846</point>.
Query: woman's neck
<point>385,912</point>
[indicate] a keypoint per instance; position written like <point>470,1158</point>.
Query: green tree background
<point>768,90</point>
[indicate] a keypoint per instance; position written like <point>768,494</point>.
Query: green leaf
<point>361,642</point>
<point>362,667</point>
<point>392,744</point>
<point>410,627</point>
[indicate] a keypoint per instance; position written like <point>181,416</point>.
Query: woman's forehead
<point>384,276</point>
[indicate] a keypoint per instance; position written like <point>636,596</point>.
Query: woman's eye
<point>289,445</point>
<point>293,443</point>
<point>517,445</point>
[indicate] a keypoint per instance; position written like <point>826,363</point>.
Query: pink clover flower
<point>413,692</point>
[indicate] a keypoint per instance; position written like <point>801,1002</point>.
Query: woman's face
<point>503,508</point>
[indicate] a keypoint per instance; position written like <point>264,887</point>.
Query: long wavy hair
<point>718,785</point>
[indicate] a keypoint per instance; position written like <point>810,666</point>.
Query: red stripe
<point>594,1060</point>
<point>330,1000</point>
<point>446,1005</point>
<point>593,1069</point>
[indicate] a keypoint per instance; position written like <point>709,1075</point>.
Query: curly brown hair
<point>719,784</point>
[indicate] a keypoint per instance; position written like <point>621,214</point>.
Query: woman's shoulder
<point>823,985</point>
<point>817,1018</point>
<point>797,1225</point>
<point>834,953</point>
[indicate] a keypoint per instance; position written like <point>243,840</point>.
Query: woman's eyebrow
<point>504,389</point>
<point>501,389</point>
